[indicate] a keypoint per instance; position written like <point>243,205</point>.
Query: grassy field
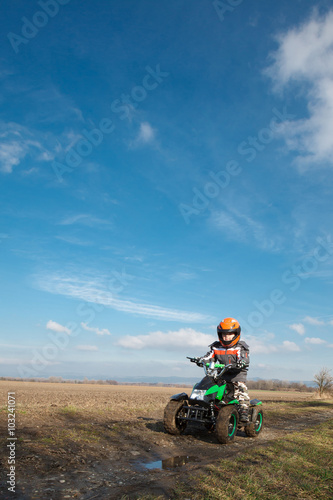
<point>297,466</point>
<point>93,441</point>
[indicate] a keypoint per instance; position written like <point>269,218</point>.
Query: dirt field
<point>108,442</point>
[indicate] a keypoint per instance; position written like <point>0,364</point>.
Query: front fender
<point>179,397</point>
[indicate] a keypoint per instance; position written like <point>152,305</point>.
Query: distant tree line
<point>323,383</point>
<point>278,385</point>
<point>268,385</point>
<point>60,380</point>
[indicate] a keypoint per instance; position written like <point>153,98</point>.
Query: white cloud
<point>314,340</point>
<point>16,142</point>
<point>56,327</point>
<point>262,344</point>
<point>30,171</point>
<point>313,321</point>
<point>98,331</point>
<point>95,291</point>
<point>16,346</point>
<point>184,338</point>
<point>305,57</point>
<point>290,346</point>
<point>87,348</point>
<point>11,155</point>
<point>183,276</point>
<point>263,366</point>
<point>73,240</point>
<point>146,133</point>
<point>84,219</point>
<point>298,327</point>
<point>240,227</point>
<point>11,361</point>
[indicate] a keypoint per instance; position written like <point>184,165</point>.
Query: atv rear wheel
<point>226,424</point>
<point>253,428</point>
<point>171,423</point>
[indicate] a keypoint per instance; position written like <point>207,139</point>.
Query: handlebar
<point>195,360</point>
<point>213,371</point>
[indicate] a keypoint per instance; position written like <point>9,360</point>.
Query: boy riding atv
<point>219,401</point>
<point>231,350</point>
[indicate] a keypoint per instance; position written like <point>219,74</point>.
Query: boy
<point>231,350</point>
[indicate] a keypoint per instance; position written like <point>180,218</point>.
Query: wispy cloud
<point>57,327</point>
<point>85,220</point>
<point>52,106</point>
<point>314,340</point>
<point>290,346</point>
<point>264,344</point>
<point>305,58</point>
<point>134,258</point>
<point>313,321</point>
<point>94,291</point>
<point>146,135</point>
<point>185,338</point>
<point>261,345</point>
<point>30,171</point>
<point>183,276</point>
<point>11,361</point>
<point>11,155</point>
<point>86,348</point>
<point>98,331</point>
<point>240,227</point>
<point>73,240</point>
<point>16,142</point>
<point>298,327</point>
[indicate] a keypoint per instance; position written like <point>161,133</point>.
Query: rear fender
<point>182,396</point>
<point>255,402</point>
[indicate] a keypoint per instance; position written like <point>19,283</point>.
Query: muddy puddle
<point>170,463</point>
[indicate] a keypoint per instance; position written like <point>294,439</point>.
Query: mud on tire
<point>226,424</point>
<point>171,424</point>
<point>254,427</point>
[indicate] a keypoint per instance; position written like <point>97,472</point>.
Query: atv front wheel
<point>172,424</point>
<point>226,424</point>
<point>253,428</point>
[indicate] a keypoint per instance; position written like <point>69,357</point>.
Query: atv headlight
<point>198,394</point>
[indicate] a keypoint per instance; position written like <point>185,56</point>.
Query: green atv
<point>213,404</point>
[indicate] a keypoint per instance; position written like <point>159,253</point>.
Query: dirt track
<point>88,442</point>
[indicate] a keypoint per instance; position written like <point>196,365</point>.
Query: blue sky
<point>163,166</point>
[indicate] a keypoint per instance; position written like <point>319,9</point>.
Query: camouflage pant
<point>240,393</point>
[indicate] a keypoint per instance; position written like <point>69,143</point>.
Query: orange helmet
<point>229,326</point>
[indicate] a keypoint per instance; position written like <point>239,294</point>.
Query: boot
<point>244,414</point>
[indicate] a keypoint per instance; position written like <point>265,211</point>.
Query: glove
<point>241,364</point>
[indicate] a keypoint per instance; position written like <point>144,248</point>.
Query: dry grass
<point>298,466</point>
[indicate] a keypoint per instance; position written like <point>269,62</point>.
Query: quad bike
<point>213,404</point>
